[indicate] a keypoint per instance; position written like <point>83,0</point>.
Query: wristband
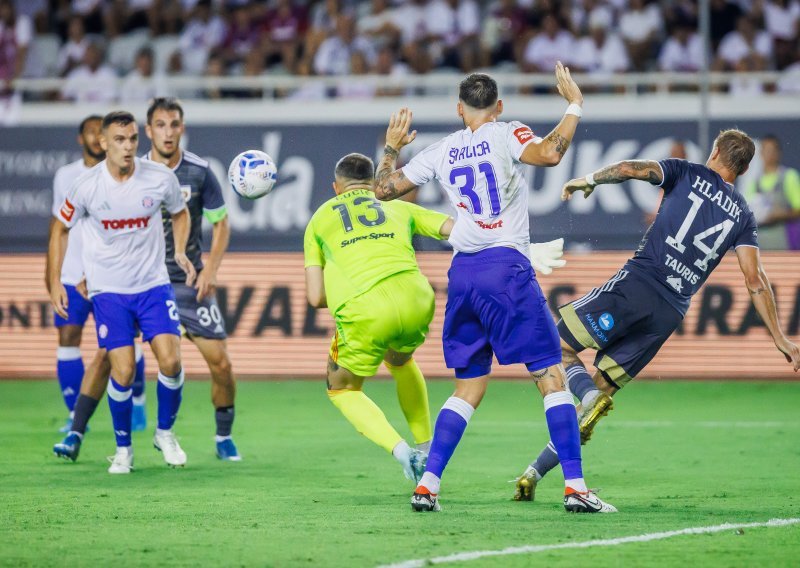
<point>589,179</point>
<point>575,110</point>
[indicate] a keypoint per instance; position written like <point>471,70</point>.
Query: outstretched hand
<point>573,185</point>
<point>547,256</point>
<point>397,135</point>
<point>567,87</point>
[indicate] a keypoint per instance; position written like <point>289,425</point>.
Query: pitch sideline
<point>530,549</point>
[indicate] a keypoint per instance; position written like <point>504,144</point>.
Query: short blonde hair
<point>736,149</point>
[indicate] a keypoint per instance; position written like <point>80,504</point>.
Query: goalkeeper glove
<point>547,256</point>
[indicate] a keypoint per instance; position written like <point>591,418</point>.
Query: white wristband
<point>589,179</point>
<point>574,110</point>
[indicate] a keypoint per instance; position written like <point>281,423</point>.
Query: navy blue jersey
<point>203,196</point>
<point>701,217</point>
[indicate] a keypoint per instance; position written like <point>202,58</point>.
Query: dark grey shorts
<point>199,319</point>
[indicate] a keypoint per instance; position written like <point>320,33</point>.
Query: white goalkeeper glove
<point>547,256</point>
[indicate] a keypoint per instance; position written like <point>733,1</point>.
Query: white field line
<point>670,424</point>
<point>531,549</point>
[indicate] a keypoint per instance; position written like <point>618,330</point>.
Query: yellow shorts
<point>394,314</point>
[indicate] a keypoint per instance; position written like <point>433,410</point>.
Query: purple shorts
<point>78,310</point>
<point>118,316</point>
<point>495,306</point>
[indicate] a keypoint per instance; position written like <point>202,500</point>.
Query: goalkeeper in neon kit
<point>360,263</point>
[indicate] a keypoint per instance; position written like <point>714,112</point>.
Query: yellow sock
<point>367,418</point>
<point>413,396</point>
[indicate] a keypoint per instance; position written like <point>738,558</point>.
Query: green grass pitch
<point>311,492</point>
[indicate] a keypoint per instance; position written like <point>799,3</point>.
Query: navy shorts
<point>495,306</point>
<point>78,310</point>
<point>199,319</point>
<point>117,316</point>
<point>626,320</point>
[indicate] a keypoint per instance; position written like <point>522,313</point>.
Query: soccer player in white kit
<point>494,303</point>
<point>124,262</point>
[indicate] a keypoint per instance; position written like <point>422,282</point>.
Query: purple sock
<point>138,379</point>
<point>69,369</point>
<point>169,393</point>
<point>450,426</point>
<point>121,405</point>
<point>562,422</point>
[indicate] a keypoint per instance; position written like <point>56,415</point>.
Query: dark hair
<point>478,90</point>
<point>736,149</point>
<point>356,167</point>
<point>168,104</point>
<point>121,117</point>
<point>87,120</point>
<point>771,138</point>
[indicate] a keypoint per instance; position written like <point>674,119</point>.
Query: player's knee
<point>123,373</point>
<point>221,367</point>
<point>69,336</point>
<point>169,365</point>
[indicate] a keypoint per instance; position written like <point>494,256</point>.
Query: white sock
<point>128,449</point>
<point>578,484</point>
<point>402,451</point>
<point>160,432</point>
<point>140,400</point>
<point>219,439</point>
<point>589,397</point>
<point>530,469</point>
<point>430,482</point>
<point>425,446</point>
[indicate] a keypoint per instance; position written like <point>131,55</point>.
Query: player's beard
<point>99,156</point>
<point>165,155</point>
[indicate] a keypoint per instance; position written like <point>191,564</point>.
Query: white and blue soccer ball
<point>252,174</point>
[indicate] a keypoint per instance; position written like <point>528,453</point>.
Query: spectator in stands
<point>284,28</point>
<point>16,32</point>
<point>356,87</point>
<point>253,67</point>
<point>683,50</point>
<point>412,35</point>
<point>204,32</point>
<point>504,32</point>
<point>583,12</point>
<point>92,82</point>
<point>388,65</point>
<point>746,42</point>
<point>312,89</point>
<point>453,27</point>
<point>141,85</point>
<point>335,54</point>
<point>600,52</point>
<point>324,16</point>
<point>782,21</point>
<point>215,68</point>
<point>91,11</point>
<point>724,17</point>
<point>71,53</point>
<point>774,199</point>
<point>243,35</point>
<point>640,26</point>
<point>122,16</point>
<point>789,83</point>
<point>552,44</point>
<point>380,23</point>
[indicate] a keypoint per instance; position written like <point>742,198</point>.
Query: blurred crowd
<point>94,43</point>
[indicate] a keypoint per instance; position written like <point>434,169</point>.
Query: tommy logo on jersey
<point>523,134</point>
<point>67,210</point>
<point>138,223</point>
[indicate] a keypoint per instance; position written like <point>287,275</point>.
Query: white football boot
<point>166,443</point>
<point>121,461</point>
<point>588,502</point>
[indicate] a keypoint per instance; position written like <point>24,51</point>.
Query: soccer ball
<point>252,174</point>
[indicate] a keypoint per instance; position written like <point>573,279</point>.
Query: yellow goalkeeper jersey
<point>360,241</point>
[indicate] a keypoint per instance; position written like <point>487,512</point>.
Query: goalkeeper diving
<point>360,263</point>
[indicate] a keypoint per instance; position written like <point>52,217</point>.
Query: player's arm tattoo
<point>389,182</point>
<point>645,170</point>
<point>559,143</point>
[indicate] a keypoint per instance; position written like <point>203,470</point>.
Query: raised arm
<point>390,183</point>
<point>550,149</point>
<point>645,170</point>
<point>181,223</point>
<point>764,300</point>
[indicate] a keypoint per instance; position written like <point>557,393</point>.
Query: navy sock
<point>562,422</point>
<point>450,426</point>
<point>547,460</point>
<point>84,409</point>
<point>579,380</point>
<point>169,392</point>
<point>121,405</point>
<point>69,369</point>
<point>224,416</point>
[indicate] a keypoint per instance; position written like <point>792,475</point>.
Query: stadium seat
<point>163,48</point>
<point>122,50</point>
